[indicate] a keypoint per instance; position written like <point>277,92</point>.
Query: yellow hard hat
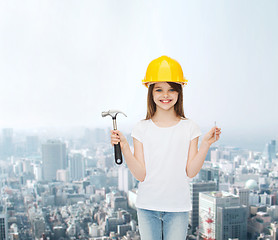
<point>164,69</point>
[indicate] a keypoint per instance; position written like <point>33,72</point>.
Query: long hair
<point>151,106</point>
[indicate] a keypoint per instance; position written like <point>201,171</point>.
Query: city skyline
<point>256,144</point>
<point>97,198</point>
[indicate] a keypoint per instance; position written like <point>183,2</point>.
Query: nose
<point>166,94</point>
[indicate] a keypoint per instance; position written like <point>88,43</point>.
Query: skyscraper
<point>62,175</point>
<point>99,135</point>
<point>53,158</point>
<point>38,172</point>
<point>208,157</point>
<point>7,142</point>
<point>221,216</point>
<point>270,151</point>
<point>125,179</point>
<point>3,224</point>
<point>76,166</point>
<point>32,145</point>
<point>231,223</point>
<point>214,155</point>
<point>243,194</point>
<point>209,174</point>
<point>195,189</point>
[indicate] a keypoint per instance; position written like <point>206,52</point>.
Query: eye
<point>158,90</point>
<point>172,90</point>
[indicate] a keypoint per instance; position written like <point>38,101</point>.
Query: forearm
<point>136,168</point>
<point>196,164</point>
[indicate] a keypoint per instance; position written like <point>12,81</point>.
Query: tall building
<point>208,157</point>
<point>99,135</point>
<point>215,155</point>
<point>32,145</point>
<point>38,172</point>
<point>125,179</point>
<point>243,194</point>
<point>93,230</point>
<point>231,223</point>
<point>195,189</point>
<point>274,230</point>
<point>62,175</point>
<point>270,151</point>
<point>209,174</point>
<point>38,226</point>
<point>3,224</point>
<point>221,216</point>
<point>76,166</point>
<point>7,142</point>
<point>53,158</point>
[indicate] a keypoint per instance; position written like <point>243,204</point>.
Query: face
<point>164,96</point>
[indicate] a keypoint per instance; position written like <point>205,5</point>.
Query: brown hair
<point>151,106</point>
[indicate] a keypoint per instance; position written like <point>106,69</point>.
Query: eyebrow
<point>161,87</point>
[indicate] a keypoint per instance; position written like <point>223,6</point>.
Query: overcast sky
<point>64,62</point>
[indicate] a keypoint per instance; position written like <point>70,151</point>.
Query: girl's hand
<point>210,136</point>
<point>118,137</point>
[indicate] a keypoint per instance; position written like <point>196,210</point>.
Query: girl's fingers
<point>116,133</point>
<point>113,137</point>
<point>115,141</point>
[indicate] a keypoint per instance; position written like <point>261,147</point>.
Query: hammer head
<point>112,113</point>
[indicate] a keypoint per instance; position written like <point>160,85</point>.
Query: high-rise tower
<point>7,142</point>
<point>221,216</point>
<point>195,189</point>
<point>125,179</point>
<point>3,224</point>
<point>32,145</point>
<point>76,166</point>
<point>53,158</point>
<point>270,151</point>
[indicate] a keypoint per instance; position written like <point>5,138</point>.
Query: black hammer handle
<point>118,154</point>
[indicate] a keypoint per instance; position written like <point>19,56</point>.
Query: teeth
<point>165,101</point>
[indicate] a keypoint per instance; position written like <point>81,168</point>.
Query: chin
<point>166,108</point>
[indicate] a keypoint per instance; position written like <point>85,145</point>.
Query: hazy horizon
<point>251,143</point>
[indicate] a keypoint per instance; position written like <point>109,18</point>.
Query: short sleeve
<point>137,131</point>
<point>195,131</point>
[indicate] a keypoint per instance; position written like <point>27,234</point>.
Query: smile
<point>165,101</point>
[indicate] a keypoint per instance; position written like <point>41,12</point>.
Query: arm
<point>136,162</point>
<point>196,158</point>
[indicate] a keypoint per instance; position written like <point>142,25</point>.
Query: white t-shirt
<point>166,186</point>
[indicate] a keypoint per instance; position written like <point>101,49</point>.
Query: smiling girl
<point>165,155</point>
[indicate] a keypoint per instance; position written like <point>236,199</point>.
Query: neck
<point>165,116</point>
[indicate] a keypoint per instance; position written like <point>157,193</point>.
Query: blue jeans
<point>157,225</point>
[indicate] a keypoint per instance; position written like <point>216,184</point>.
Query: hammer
<point>117,148</point>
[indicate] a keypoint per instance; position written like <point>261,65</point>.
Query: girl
<point>165,155</point>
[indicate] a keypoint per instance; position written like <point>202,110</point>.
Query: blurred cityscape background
<point>70,188</point>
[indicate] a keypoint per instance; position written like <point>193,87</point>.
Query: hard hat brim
<point>147,84</point>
